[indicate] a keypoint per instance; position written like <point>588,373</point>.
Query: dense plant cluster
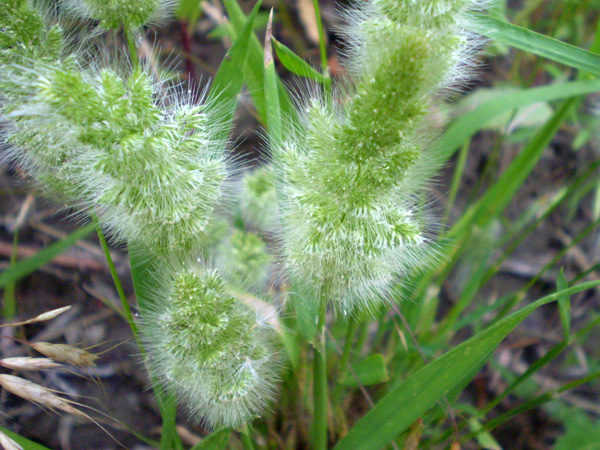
<point>151,165</point>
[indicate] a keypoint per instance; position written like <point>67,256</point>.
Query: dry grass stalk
<point>66,353</point>
<point>46,398</point>
<point>7,443</point>
<point>37,394</point>
<point>27,363</point>
<point>49,315</point>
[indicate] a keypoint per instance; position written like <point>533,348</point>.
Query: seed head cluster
<point>150,163</point>
<point>351,174</point>
<point>210,347</point>
<point>116,13</point>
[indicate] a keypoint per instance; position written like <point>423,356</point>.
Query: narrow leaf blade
<point>297,65</point>
<point>33,263</point>
<point>214,441</point>
<point>228,81</point>
<point>369,371</point>
<point>400,408</point>
<point>564,305</point>
<point>468,124</point>
<point>23,442</point>
<point>253,70</point>
<point>538,44</point>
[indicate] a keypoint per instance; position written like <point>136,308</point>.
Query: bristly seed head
<point>208,347</point>
<point>350,175</point>
<point>128,13</point>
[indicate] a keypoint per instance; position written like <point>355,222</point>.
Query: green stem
<point>119,287</point>
<point>363,334</point>
<point>322,42</point>
<point>246,439</point>
<point>343,367</point>
<point>456,179</point>
<point>319,426</point>
<point>133,55</point>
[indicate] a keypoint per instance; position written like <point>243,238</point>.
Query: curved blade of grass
<point>367,372</point>
<point>501,193</point>
<point>228,81</point>
<point>273,107</point>
<point>31,264</point>
<point>564,306</point>
<point>534,402</point>
<point>23,442</point>
<point>401,407</point>
<point>538,44</point>
<point>253,68</point>
<point>494,201</point>
<point>468,124</point>
<point>188,9</point>
<point>297,65</point>
<point>214,441</point>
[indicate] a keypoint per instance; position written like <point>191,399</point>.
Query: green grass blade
<point>501,193</point>
<point>369,371</point>
<point>214,441</point>
<point>228,81</point>
<point>468,124</point>
<point>297,65</point>
<point>23,442</point>
<point>141,275</point>
<point>538,44</point>
<point>564,305</point>
<point>400,408</point>
<point>534,402</point>
<point>31,264</point>
<point>187,9</point>
<point>271,93</point>
<point>253,69</point>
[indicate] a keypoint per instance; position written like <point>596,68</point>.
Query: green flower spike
<point>154,173</point>
<point>116,13</point>
<point>211,348</point>
<point>349,178</point>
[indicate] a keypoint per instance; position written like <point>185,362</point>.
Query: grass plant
<point>321,279</point>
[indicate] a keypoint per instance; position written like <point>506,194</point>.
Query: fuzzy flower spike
<point>348,179</point>
<point>210,347</point>
<point>152,172</point>
<point>116,13</point>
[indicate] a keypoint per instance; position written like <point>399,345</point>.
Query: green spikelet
<point>211,348</point>
<point>348,177</point>
<point>245,256</point>
<point>24,35</point>
<point>153,174</point>
<point>117,13</point>
<point>258,202</point>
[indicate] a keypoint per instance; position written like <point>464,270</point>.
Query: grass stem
<point>119,287</point>
<point>132,47</point>
<point>322,41</point>
<point>319,426</point>
<point>246,439</point>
